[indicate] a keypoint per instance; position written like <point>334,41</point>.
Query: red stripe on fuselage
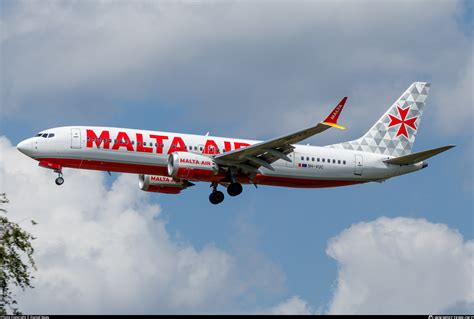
<point>162,170</point>
<point>109,166</point>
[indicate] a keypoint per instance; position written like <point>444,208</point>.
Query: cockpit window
<point>45,135</point>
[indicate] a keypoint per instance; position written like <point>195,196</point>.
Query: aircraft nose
<point>26,147</point>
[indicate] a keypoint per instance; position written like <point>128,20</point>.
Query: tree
<point>16,260</point>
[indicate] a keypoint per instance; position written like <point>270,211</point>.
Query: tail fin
<point>394,133</point>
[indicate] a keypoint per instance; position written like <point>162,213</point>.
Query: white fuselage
<point>147,152</point>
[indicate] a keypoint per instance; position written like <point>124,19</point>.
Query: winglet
<point>331,120</point>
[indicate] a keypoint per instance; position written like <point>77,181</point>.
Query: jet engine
<point>162,184</point>
<point>191,166</point>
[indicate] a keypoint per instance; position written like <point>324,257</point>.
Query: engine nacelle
<point>161,184</point>
<point>191,166</point>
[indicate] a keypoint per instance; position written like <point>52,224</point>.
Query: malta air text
<point>156,178</point>
<point>195,162</point>
<point>137,143</point>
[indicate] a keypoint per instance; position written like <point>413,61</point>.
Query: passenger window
<point>133,142</point>
<point>307,158</point>
<point>302,158</point>
<point>338,161</point>
<point>110,140</point>
<point>195,148</point>
<point>344,162</point>
<point>173,146</point>
<point>200,148</point>
<point>329,160</point>
<point>318,159</point>
<point>324,160</point>
<point>334,161</point>
<point>312,158</point>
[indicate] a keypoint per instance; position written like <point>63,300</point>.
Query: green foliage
<point>16,260</point>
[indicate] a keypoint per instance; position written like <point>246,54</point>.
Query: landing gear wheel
<point>59,181</point>
<point>234,189</point>
<point>216,197</point>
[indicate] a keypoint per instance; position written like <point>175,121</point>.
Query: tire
<point>216,197</point>
<point>234,189</point>
<point>59,181</point>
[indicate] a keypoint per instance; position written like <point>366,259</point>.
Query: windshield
<point>45,135</point>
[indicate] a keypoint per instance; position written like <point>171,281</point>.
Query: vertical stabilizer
<point>394,133</point>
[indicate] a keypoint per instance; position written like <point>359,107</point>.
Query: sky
<point>252,70</point>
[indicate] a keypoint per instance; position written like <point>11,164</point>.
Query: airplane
<point>171,162</point>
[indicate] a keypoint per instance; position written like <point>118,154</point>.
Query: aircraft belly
<point>312,173</point>
<point>106,160</point>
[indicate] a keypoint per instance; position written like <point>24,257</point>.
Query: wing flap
<point>418,157</point>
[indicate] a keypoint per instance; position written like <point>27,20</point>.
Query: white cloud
<point>228,60</point>
<point>292,306</point>
<point>402,265</point>
<point>455,100</point>
<point>107,250</point>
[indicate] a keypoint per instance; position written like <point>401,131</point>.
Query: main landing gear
<point>217,197</point>
<point>234,189</point>
<point>59,180</point>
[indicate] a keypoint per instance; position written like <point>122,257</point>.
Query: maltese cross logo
<point>402,121</point>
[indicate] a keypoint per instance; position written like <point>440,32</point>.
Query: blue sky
<point>253,70</point>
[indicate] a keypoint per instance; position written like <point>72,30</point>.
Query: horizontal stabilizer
<point>417,157</point>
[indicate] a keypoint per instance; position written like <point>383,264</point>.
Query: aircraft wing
<point>250,158</point>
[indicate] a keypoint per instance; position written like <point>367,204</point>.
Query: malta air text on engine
<point>159,178</point>
<point>155,143</point>
<point>195,161</point>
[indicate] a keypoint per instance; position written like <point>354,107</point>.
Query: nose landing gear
<point>59,180</point>
<point>57,168</point>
